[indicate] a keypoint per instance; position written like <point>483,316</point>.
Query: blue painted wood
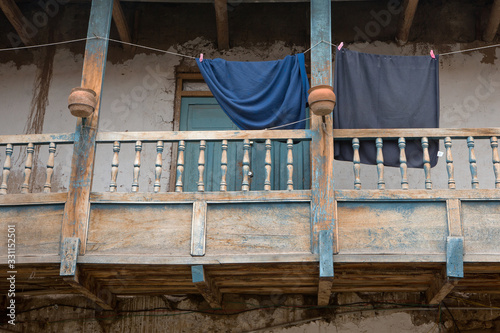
<point>321,30</point>
<point>201,114</point>
<point>455,257</point>
<point>197,273</point>
<point>69,255</point>
<point>326,253</point>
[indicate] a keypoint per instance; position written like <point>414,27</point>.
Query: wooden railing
<point>224,138</point>
<point>31,142</point>
<point>357,136</point>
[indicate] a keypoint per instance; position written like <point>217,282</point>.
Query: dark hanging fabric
<point>259,95</point>
<point>379,91</point>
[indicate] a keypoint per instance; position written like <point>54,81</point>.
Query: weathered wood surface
<point>206,286</point>
<point>38,229</point>
<point>481,227</point>
<point>406,20</point>
<point>430,133</point>
<point>392,228</point>
<point>121,24</point>
<point>416,195</point>
<point>15,17</point>
<point>258,228</point>
<point>77,209</point>
<point>33,199</point>
<point>22,139</point>
<point>199,228</point>
<point>222,24</point>
<point>138,229</point>
<point>109,137</point>
<point>493,22</point>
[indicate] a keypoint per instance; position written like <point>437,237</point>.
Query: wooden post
<point>356,164</point>
<point>77,208</point>
<point>15,17</point>
<point>493,22</point>
<point>50,168</point>
<point>322,187</point>
<point>409,9</point>
<point>222,24</point>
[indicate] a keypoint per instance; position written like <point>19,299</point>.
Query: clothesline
<point>191,57</point>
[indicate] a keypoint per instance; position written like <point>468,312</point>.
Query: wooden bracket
<point>222,24</point>
<point>121,24</point>
<point>207,287</point>
<point>325,267</point>
<point>493,22</point>
<point>25,30</point>
<point>455,241</point>
<point>198,228</point>
<point>86,285</point>
<point>409,8</point>
<point>440,288</point>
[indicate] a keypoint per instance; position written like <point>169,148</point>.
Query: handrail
<point>22,139</point>
<point>110,137</point>
<point>430,133</point>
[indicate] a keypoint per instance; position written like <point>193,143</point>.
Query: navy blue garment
<point>379,91</point>
<point>259,95</point>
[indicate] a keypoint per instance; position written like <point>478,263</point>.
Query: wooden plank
<point>33,199</point>
<point>417,195</point>
<point>222,24</point>
<point>77,210</point>
<point>481,228</point>
<point>69,254</point>
<point>493,22</point>
<point>438,133</point>
<point>258,228</point>
<point>38,229</point>
<point>207,286</point>
<point>406,20</point>
<point>326,273</point>
<point>455,257</point>
<point>110,137</point>
<point>209,197</point>
<point>88,287</point>
<point>454,219</point>
<point>322,182</point>
<point>198,228</point>
<point>392,228</point>
<point>22,139</point>
<point>440,287</point>
<point>121,24</point>
<point>19,22</point>
<point>148,230</point>
<point>195,93</point>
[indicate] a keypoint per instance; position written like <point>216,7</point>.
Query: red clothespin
<point>432,55</point>
<point>201,57</point>
<point>340,45</point>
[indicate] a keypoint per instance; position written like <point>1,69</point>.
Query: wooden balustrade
<point>6,169</point>
<point>380,164</point>
<point>403,163</point>
<point>496,160</point>
<point>137,166</point>
<point>449,163</point>
<point>50,168</point>
<point>472,161</point>
<point>158,166</point>
<point>114,166</point>
<point>356,164</point>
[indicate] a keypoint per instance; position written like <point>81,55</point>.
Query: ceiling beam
<point>121,24</point>
<point>222,24</point>
<point>409,9</point>
<point>18,21</point>
<point>493,22</point>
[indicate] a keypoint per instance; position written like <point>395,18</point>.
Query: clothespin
<point>201,57</point>
<point>432,55</point>
<point>340,45</point>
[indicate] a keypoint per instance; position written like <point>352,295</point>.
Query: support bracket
<point>206,286</point>
<point>455,257</point>
<point>69,255</point>
<point>326,273</point>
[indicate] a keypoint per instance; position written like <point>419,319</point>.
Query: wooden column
<point>409,9</point>
<point>323,200</point>
<point>222,24</point>
<point>77,208</point>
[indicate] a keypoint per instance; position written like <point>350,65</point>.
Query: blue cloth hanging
<point>380,91</point>
<point>259,95</point>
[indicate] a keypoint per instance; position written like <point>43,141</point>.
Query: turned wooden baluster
<point>427,163</point>
<point>496,160</point>
<point>289,165</point>
<point>27,168</point>
<point>356,164</point>
<point>114,166</point>
<point>449,163</point>
<point>472,161</point>
<point>403,165</point>
<point>223,167</point>
<point>245,185</point>
<point>137,166</point>
<point>201,166</point>
<point>380,164</point>
<point>180,166</point>
<point>50,168</point>
<point>268,166</point>
<point>6,169</point>
<point>158,166</point>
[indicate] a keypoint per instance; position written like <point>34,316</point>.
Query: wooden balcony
<point>253,240</point>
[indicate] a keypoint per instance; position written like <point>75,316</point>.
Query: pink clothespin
<point>201,57</point>
<point>432,55</point>
<point>340,45</point>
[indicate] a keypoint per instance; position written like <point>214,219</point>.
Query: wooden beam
<point>206,286</point>
<point>409,9</point>
<point>121,24</point>
<point>90,288</point>
<point>441,286</point>
<point>222,24</point>
<point>19,22</point>
<point>77,208</point>
<point>198,228</point>
<point>325,267</point>
<point>493,22</point>
<point>322,185</point>
<point>455,240</point>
